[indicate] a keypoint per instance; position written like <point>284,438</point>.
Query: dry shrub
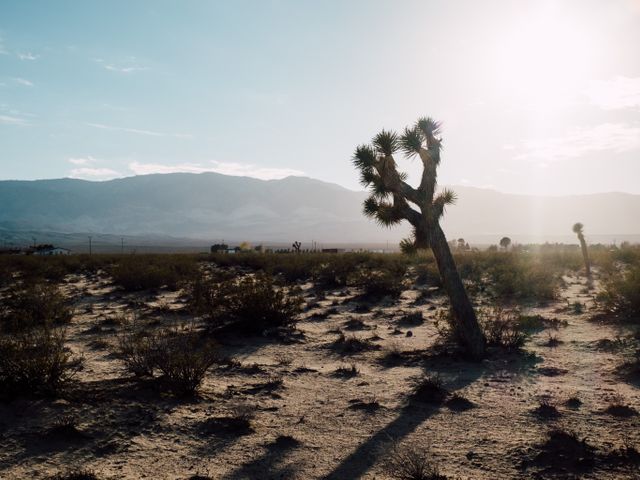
<point>351,344</point>
<point>136,351</point>
<point>181,357</point>
<point>36,363</point>
<point>251,305</point>
<point>30,305</point>
<point>346,371</point>
<point>143,272</point>
<point>377,283</point>
<point>429,389</point>
<point>184,360</point>
<point>408,462</point>
<point>502,328</point>
<point>76,474</point>
<point>564,449</point>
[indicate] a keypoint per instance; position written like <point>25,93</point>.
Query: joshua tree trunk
<point>466,323</point>
<point>585,255</point>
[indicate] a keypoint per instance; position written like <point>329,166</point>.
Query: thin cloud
<point>11,120</point>
<point>225,168</point>
<point>3,49</point>
<point>116,68</point>
<point>578,142</point>
<point>249,170</point>
<point>89,173</point>
<point>138,131</point>
<point>27,56</point>
<point>82,160</point>
<point>129,66</point>
<point>24,81</point>
<point>616,94</point>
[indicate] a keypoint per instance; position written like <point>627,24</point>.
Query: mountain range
<point>212,207</point>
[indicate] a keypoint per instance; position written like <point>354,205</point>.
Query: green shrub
<point>337,270</point>
<point>35,363</point>
<point>627,254</point>
<point>252,304</point>
<point>621,293</point>
<point>522,277</point>
<point>377,283</point>
<point>427,274</point>
<point>502,328</point>
<point>32,305</point>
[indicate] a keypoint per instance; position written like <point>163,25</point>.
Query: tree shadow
<point>457,375</point>
<point>267,465</point>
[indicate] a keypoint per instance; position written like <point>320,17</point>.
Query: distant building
<point>333,250</point>
<point>50,250</point>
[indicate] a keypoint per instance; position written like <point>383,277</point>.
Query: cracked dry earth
<point>311,422</point>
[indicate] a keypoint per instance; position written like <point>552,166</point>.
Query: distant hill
<point>212,206</point>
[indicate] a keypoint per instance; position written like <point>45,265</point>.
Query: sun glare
<point>543,57</point>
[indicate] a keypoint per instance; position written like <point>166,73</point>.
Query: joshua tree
<point>389,203</point>
<point>505,242</point>
<point>578,229</point>
<point>296,246</point>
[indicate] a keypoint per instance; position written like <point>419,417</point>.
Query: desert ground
<point>359,383</point>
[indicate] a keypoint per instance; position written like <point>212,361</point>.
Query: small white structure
<point>52,251</point>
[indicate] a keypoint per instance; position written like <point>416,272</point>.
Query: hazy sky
<point>535,96</point>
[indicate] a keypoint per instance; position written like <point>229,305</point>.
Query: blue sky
<point>536,97</point>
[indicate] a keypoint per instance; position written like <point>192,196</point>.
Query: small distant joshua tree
<point>505,242</point>
<point>296,246</point>
<point>390,203</point>
<point>578,229</point>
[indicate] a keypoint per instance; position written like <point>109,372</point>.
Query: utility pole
<point>121,245</point>
<point>89,244</point>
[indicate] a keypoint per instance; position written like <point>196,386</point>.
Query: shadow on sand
<point>457,375</point>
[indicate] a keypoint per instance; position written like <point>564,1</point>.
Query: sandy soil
<point>310,423</point>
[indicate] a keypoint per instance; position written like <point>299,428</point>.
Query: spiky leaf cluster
<point>411,141</point>
<point>386,142</point>
<point>444,198</point>
<point>428,126</point>
<point>384,212</point>
<point>390,194</point>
